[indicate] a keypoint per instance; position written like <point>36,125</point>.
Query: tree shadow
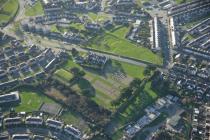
<point>113,67</point>
<point>86,87</point>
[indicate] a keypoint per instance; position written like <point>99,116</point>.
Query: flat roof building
<point>172,32</point>
<point>12,97</point>
<point>21,137</point>
<point>72,131</point>
<point>54,124</point>
<point>157,41</point>
<point>12,121</point>
<point>34,120</point>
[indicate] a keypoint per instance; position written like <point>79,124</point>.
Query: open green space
<point>54,28</point>
<point>31,101</point>
<point>115,42</point>
<point>182,1</point>
<point>189,37</point>
<point>98,17</point>
<point>8,9</point>
<point>149,91</point>
<point>34,10</point>
<point>134,108</point>
<point>102,85</point>
<point>131,70</point>
<point>92,15</point>
<point>75,119</point>
<point>64,75</point>
<point>77,26</point>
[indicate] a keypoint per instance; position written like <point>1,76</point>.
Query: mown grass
<point>149,91</point>
<point>8,10</point>
<point>75,119</point>
<point>135,108</point>
<point>115,42</point>
<point>102,98</point>
<point>132,70</point>
<point>31,101</point>
<point>35,10</point>
<point>182,1</point>
<point>77,26</point>
<point>54,28</point>
<point>98,17</point>
<point>64,75</point>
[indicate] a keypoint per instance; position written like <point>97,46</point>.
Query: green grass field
<point>149,91</point>
<point>31,101</point>
<point>182,1</point>
<point>115,42</point>
<point>132,70</point>
<point>76,120</point>
<point>93,80</point>
<point>8,10</point>
<point>64,75</point>
<point>98,17</point>
<point>54,28</point>
<point>134,109</point>
<point>35,10</point>
<point>77,26</point>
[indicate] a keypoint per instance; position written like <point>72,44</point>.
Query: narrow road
<point>60,45</point>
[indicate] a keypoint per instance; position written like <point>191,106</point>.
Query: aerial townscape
<point>104,69</point>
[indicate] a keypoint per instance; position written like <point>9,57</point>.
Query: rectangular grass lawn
<point>115,42</point>
<point>64,75</point>
<point>31,101</point>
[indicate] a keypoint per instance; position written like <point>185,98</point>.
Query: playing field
<point>115,42</point>
<point>8,9</point>
<point>31,101</point>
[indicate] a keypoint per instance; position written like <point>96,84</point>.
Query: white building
<point>54,124</point>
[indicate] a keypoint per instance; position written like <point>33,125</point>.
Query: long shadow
<point>113,66</point>
<point>86,87</point>
<point>115,29</point>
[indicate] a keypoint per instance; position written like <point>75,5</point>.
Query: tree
<point>126,93</point>
<point>115,102</point>
<point>135,83</point>
<point>146,72</point>
<point>74,52</point>
<point>163,136</point>
<point>77,73</point>
<point>75,70</point>
<point>81,74</point>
